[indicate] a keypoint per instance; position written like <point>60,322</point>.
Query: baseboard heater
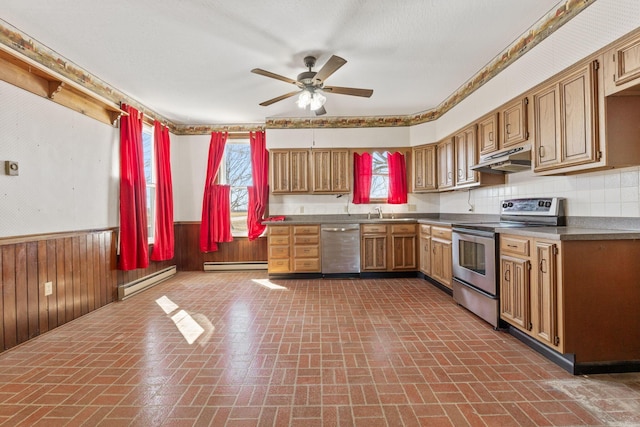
<point>146,282</point>
<point>235,266</point>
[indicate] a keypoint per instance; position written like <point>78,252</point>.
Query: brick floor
<point>253,352</point>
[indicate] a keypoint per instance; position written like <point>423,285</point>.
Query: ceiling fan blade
<point>279,98</point>
<point>321,111</point>
<point>330,67</point>
<point>273,75</point>
<point>366,93</point>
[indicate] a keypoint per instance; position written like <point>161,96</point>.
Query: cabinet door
<point>488,134</point>
<point>545,299</point>
<point>578,116</point>
<point>340,171</point>
<point>403,252</point>
<point>514,123</point>
<point>514,291</point>
<point>279,168</point>
<point>425,255</point>
<point>445,164</point>
<point>320,171</point>
<point>374,252</point>
<point>466,156</point>
<point>299,170</point>
<point>627,62</point>
<point>441,261</point>
<point>424,168</point>
<point>547,128</point>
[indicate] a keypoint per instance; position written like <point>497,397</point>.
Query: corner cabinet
<point>330,171</point>
<point>566,120</point>
<point>289,171</point>
<point>424,168</point>
<point>576,297</point>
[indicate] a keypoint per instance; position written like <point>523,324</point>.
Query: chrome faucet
<point>379,209</point>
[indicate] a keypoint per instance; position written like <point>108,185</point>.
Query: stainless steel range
<point>475,252</point>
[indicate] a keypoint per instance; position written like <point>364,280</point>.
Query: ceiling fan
<point>311,84</point>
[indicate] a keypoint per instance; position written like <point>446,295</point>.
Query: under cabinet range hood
<point>506,161</point>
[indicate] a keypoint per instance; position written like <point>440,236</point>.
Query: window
<point>379,177</point>
<point>149,176</point>
<point>235,170</point>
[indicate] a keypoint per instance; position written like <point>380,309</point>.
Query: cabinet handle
<point>541,151</point>
<point>491,136</point>
<point>512,246</point>
<point>508,128</point>
<point>507,276</point>
<point>449,175</point>
<point>543,265</point>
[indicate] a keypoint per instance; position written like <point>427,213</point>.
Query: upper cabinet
<point>566,120</point>
<point>424,168</point>
<point>330,171</point>
<point>289,171</point>
<point>466,155</point>
<point>514,123</point>
<point>622,66</point>
<point>445,164</point>
<point>488,133</point>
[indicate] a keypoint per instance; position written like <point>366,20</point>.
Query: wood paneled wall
<point>189,258</point>
<point>80,266</point>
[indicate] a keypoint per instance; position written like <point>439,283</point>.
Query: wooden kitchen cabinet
<point>425,249</point>
<point>373,247</point>
<point>424,168</point>
<point>515,292</point>
<point>403,245</point>
<point>306,248</point>
<point>289,171</point>
<point>279,249</point>
<point>445,164</point>
<point>466,155</point>
<point>622,66</point>
<point>566,120</point>
<point>441,264</point>
<point>514,123</point>
<point>330,171</point>
<point>488,134</point>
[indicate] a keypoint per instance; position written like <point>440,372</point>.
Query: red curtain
<point>163,246</point>
<point>216,212</point>
<point>259,192</point>
<point>361,177</point>
<point>134,245</point>
<point>397,179</point>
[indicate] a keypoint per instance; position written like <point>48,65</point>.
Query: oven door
<point>474,259</point>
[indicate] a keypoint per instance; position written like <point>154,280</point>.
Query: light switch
<point>11,168</point>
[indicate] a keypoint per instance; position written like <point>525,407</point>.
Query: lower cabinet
<point>293,249</point>
<point>279,249</point>
<point>388,247</point>
<point>441,255</point>
<point>577,297</point>
<point>425,249</point>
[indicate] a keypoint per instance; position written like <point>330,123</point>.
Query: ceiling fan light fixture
<point>304,99</point>
<point>317,100</point>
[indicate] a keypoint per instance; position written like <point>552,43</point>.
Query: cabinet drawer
<point>278,252</point>
<point>278,240</point>
<point>374,228</point>
<point>309,251</point>
<point>279,230</point>
<point>306,240</point>
<point>403,228</point>
<point>514,245</point>
<point>425,230</point>
<point>278,266</point>
<point>306,229</point>
<point>311,265</point>
<point>441,233</point>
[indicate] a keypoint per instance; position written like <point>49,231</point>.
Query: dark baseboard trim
<point>435,283</point>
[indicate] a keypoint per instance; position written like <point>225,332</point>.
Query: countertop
<point>553,233</point>
<point>571,233</point>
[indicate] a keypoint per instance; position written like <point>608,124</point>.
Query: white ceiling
<point>190,60</point>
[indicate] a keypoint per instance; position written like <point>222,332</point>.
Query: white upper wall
<point>336,138</point>
<point>69,167</point>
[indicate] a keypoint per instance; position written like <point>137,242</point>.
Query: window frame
<point>222,180</point>
<point>150,184</point>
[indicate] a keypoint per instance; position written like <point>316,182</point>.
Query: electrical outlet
<point>48,288</point>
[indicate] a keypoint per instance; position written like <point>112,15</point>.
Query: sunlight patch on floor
<point>268,284</point>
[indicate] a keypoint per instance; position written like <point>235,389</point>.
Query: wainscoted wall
<point>189,258</point>
<point>81,267</point>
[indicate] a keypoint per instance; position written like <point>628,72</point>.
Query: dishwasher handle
<point>339,229</point>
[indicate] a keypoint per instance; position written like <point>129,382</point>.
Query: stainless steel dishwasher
<point>340,248</point>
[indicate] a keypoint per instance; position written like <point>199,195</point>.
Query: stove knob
<point>547,204</point>
<point>540,203</point>
<point>510,204</point>
<point>504,206</point>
